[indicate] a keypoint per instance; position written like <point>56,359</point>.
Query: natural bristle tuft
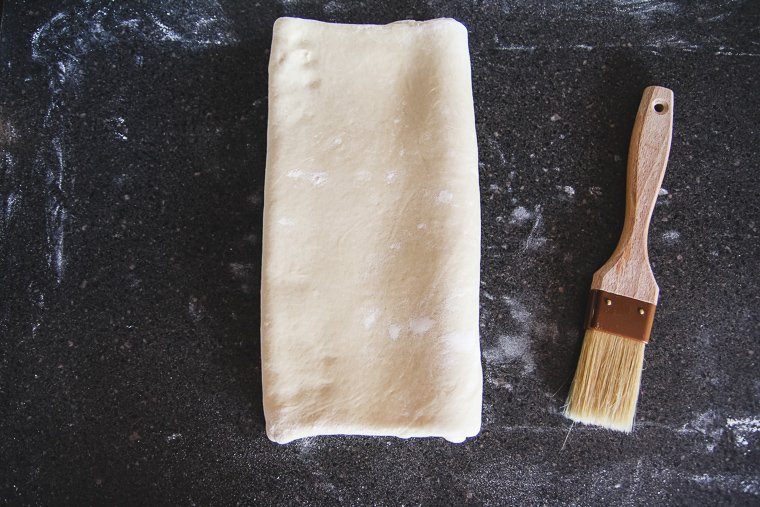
<point>605,389</point>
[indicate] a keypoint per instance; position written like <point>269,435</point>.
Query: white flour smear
<point>63,42</point>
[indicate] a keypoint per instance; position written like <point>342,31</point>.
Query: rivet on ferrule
<point>620,315</point>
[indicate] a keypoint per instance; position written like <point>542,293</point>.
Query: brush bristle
<point>605,389</point>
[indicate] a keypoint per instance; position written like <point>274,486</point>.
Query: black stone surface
<point>133,140</point>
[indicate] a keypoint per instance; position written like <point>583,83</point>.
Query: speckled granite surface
<point>133,143</point>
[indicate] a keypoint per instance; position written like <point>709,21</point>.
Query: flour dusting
<point>445,197</point>
<point>119,128</point>
<point>743,429</point>
<point>421,325</point>
<point>363,175</point>
<point>286,221</point>
<point>517,311</point>
<point>511,348</point>
<point>56,238</point>
<point>316,178</point>
<point>535,239</point>
<point>645,10</point>
<point>514,347</point>
<point>195,309</point>
<point>729,482</point>
<point>241,270</point>
<point>369,317</point>
<point>708,425</point>
<point>63,42</point>
<point>11,204</point>
<point>334,7</point>
<point>520,215</point>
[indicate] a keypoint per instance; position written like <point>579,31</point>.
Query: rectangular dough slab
<point>371,247</point>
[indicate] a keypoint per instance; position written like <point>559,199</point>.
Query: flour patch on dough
<point>445,197</point>
<point>369,317</point>
<point>394,331</point>
<point>421,325</point>
<point>363,175</point>
<point>390,177</point>
<point>286,221</point>
<point>315,178</point>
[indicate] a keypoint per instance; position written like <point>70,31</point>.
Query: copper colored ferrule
<point>620,315</point>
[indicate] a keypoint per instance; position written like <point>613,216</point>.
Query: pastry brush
<point>624,293</point>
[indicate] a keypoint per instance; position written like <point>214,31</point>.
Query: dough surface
<point>371,246</point>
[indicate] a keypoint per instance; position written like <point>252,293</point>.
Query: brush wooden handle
<point>628,272</point>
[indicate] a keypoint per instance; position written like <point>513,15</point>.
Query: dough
<point>371,246</point>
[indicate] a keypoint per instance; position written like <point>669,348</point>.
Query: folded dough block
<point>371,245</point>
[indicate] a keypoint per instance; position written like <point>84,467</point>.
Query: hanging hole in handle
<point>660,107</point>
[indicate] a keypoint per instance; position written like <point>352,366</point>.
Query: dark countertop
<point>132,137</point>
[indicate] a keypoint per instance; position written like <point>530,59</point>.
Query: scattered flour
<point>315,178</point>
<point>729,483</point>
<point>194,309</point>
<point>445,197</point>
<point>645,10</point>
<point>62,43</point>
<point>520,215</point>
<point>510,349</point>
<point>514,347</point>
<point>421,325</point>
<point>242,270</point>
<point>708,425</point>
<point>369,317</point>
<point>119,128</point>
<point>743,429</point>
<point>363,175</point>
<point>11,204</point>
<point>711,427</point>
<point>535,239</point>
